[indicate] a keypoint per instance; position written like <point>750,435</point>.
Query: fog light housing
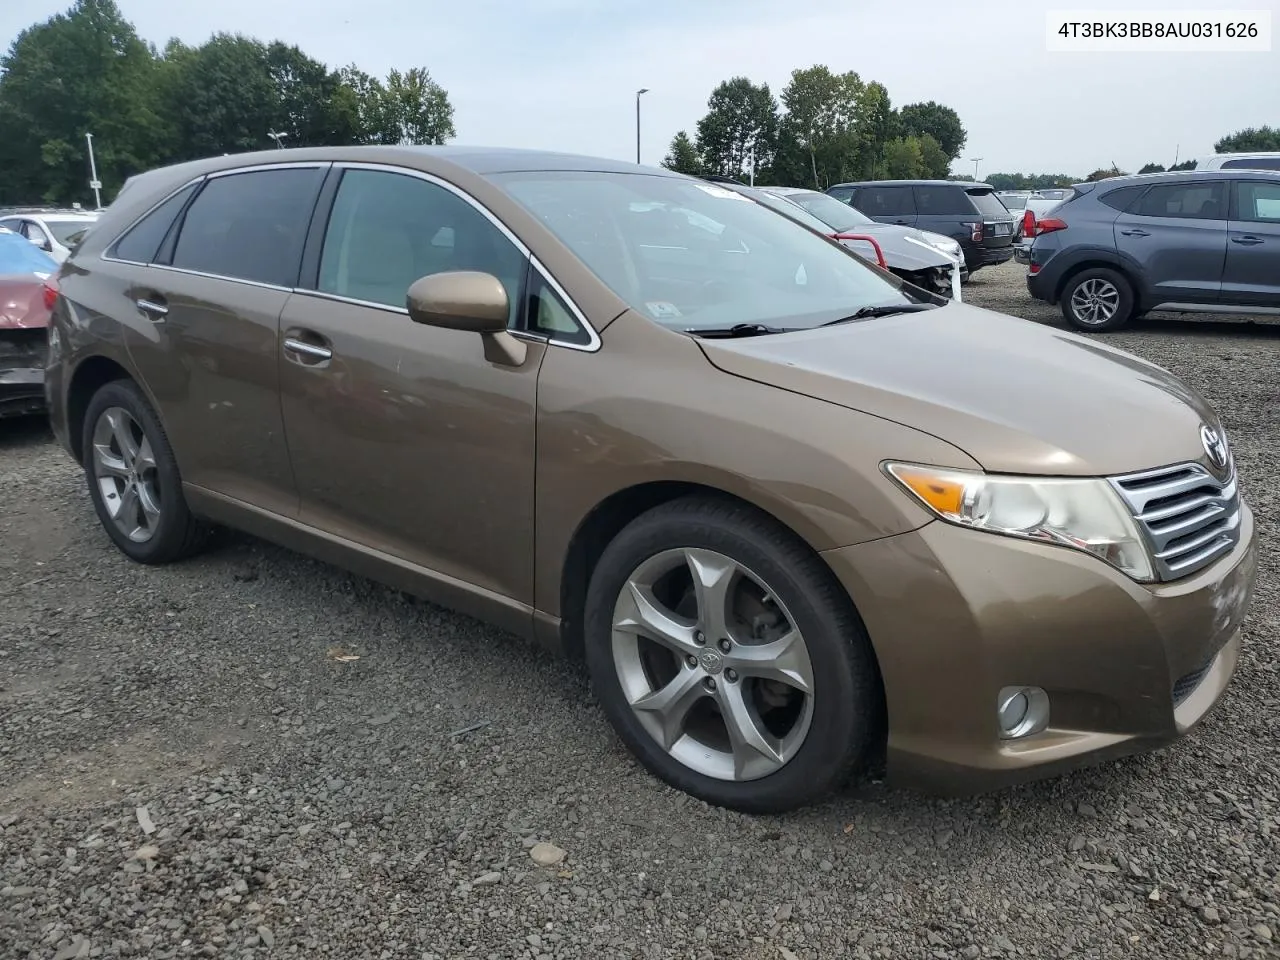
<point>1021,712</point>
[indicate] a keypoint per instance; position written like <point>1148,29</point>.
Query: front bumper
<point>955,615</point>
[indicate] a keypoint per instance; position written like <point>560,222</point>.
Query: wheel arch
<point>1106,261</point>
<point>90,376</point>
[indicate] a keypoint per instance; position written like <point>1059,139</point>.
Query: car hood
<point>1017,396</point>
<point>22,302</point>
<point>905,248</point>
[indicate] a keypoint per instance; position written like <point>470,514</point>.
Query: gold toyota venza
<point>796,515</point>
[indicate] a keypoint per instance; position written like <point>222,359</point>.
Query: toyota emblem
<point>1215,446</point>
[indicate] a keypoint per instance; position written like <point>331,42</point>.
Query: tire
<point>165,530</point>
<point>1097,300</point>
<point>831,729</point>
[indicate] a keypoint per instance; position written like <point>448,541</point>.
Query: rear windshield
<point>67,232</point>
<point>1014,203</point>
<point>988,204</point>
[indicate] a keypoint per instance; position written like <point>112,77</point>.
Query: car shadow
<point>18,433</point>
<point>1185,324</point>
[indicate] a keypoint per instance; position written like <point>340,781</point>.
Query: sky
<point>563,74</point>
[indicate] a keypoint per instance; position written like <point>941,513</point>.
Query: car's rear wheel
<point>1097,299</point>
<point>728,658</point>
<point>133,478</point>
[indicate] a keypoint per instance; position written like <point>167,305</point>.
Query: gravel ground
<point>256,755</point>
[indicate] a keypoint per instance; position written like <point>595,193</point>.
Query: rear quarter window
<point>1122,198</point>
<point>939,201</point>
<point>142,241</point>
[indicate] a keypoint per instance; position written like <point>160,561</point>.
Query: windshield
<point>836,214</point>
<point>20,255</point>
<point>66,232</point>
<point>693,255</point>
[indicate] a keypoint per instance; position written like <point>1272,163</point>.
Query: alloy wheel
<point>124,468</point>
<point>712,664</point>
<point>1095,302</point>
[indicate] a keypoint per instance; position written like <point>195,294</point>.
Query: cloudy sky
<point>563,73</point>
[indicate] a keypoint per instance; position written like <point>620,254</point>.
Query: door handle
<point>311,351</point>
<point>1247,241</point>
<point>1135,232</point>
<point>153,307</point>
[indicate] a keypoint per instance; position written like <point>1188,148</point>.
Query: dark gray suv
<point>1204,241</point>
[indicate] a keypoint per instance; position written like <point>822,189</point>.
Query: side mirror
<point>468,300</point>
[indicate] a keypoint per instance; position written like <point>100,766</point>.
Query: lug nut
<point>725,645</point>
<point>699,637</point>
<point>709,683</point>
<point>691,660</point>
<point>731,675</point>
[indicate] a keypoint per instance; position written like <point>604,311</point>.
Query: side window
<point>249,226</point>
<point>1258,201</point>
<point>1122,197</point>
<point>387,230</point>
<point>1259,163</point>
<point>843,194</point>
<point>886,202</point>
<point>942,201</point>
<point>142,242</point>
<point>550,316</point>
<point>1185,201</point>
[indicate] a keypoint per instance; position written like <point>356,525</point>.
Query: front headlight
<point>1085,513</point>
<point>949,247</point>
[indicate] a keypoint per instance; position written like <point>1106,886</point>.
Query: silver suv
<point>1195,241</point>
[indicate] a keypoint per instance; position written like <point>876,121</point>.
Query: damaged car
<point>26,297</point>
<point>923,259</point>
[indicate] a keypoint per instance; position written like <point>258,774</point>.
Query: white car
<point>53,232</point>
<point>1240,161</point>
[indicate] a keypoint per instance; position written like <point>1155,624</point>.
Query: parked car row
<point>55,232</point>
<point>778,498</point>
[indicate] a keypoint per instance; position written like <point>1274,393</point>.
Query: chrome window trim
<point>215,276</point>
<point>111,245</point>
<point>593,343</point>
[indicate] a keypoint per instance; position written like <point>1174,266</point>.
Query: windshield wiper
<point>884,310</point>
<point>737,330</point>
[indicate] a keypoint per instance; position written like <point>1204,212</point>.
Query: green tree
<point>934,162</point>
<point>903,159</point>
<point>1184,165</point>
<point>739,128</point>
<point>1101,174</point>
<point>415,109</point>
<point>1250,140</point>
<point>1152,168</point>
<point>817,142</point>
<point>683,156</point>
<point>83,71</point>
<point>935,120</point>
<point>309,108</point>
<point>877,125</point>
<point>222,96</point>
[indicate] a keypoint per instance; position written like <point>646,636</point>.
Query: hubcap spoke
<point>122,431</point>
<point>128,512</point>
<point>146,458</point>
<point>753,746</point>
<point>785,660</point>
<point>664,711</point>
<point>713,578</point>
<point>108,463</point>
<point>641,614</point>
<point>147,503</point>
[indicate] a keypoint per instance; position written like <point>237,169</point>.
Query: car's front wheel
<point>133,478</point>
<point>1097,300</point>
<point>728,658</point>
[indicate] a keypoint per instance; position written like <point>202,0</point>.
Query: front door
<point>404,438</point>
<point>888,204</point>
<point>1177,235</point>
<point>205,335</point>
<point>1252,275</point>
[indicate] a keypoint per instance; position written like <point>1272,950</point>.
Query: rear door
<point>1176,235</point>
<point>946,210</point>
<point>1252,273</point>
<point>205,333</point>
<point>887,204</point>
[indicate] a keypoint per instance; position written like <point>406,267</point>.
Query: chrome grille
<point>1188,517</point>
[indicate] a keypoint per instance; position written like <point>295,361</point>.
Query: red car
<point>27,294</point>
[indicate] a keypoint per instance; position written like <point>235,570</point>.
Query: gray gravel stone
<point>350,824</point>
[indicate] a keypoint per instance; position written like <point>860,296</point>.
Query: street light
<point>94,183</point>
<point>638,93</point>
<point>976,161</point>
<point>277,137</point>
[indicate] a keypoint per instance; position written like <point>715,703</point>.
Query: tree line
<point>88,71</point>
<point>824,128</point>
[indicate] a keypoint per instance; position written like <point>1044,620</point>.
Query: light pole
<point>976,161</point>
<point>642,90</point>
<point>277,137</point>
<point>94,183</point>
